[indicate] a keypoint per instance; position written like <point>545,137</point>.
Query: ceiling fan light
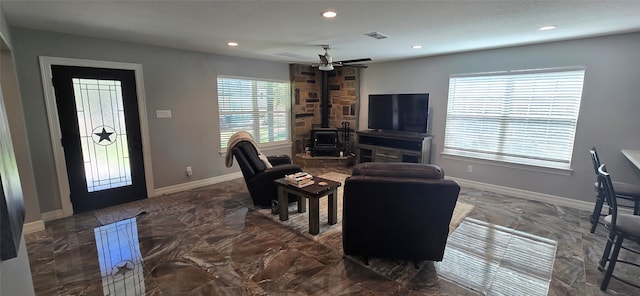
<point>325,67</point>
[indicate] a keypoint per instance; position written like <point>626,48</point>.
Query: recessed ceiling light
<point>232,44</point>
<point>329,14</point>
<point>545,28</point>
<point>416,46</point>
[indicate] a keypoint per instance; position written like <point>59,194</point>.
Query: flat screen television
<point>399,112</point>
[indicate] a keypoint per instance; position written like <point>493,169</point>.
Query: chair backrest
<point>398,170</point>
<point>595,159</point>
<point>397,210</point>
<point>609,193</point>
<point>247,157</point>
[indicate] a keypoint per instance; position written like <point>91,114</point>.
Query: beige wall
<point>184,82</point>
<point>608,115</point>
<point>181,81</point>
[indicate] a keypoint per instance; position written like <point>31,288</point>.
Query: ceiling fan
<point>327,63</point>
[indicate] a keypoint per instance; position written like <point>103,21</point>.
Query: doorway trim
<point>54,122</point>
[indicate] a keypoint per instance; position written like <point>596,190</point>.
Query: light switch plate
<point>163,113</point>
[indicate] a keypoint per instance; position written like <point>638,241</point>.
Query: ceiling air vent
<point>377,35</point>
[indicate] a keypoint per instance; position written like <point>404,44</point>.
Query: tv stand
<point>385,146</point>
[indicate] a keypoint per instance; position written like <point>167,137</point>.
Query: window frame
<point>499,155</point>
<point>255,112</point>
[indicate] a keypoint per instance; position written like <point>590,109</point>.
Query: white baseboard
<point>53,215</point>
<point>530,195</point>
<point>196,184</point>
<point>36,226</point>
<point>32,227</point>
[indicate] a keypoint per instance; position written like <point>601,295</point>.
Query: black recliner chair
<point>258,177</point>
<point>397,211</point>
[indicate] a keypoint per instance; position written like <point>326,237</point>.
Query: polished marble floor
<point>210,241</point>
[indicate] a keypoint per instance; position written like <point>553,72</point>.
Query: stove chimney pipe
<point>324,100</point>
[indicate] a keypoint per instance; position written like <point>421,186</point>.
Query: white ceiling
<point>292,31</point>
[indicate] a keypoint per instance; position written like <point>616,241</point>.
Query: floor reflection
<point>491,259</point>
<point>210,241</point>
<point>120,258</point>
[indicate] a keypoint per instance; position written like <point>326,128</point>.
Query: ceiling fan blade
<point>356,66</point>
<point>356,61</point>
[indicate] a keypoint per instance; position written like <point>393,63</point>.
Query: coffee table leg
<point>283,204</point>
<point>314,215</point>
<point>302,204</point>
<point>333,208</point>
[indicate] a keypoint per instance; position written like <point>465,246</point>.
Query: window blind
<point>526,117</point>
<point>258,106</point>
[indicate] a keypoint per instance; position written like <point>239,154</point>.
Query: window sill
<point>531,165</point>
<point>265,147</point>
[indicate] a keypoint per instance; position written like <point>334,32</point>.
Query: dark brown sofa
<point>397,210</point>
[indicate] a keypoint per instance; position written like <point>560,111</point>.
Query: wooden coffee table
<point>314,193</point>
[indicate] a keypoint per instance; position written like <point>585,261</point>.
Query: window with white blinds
<point>525,117</point>
<point>259,107</point>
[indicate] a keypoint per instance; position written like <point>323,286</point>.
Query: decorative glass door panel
<point>103,133</point>
<point>100,129</point>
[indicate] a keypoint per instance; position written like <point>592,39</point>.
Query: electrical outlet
<point>469,169</point>
<point>189,171</point>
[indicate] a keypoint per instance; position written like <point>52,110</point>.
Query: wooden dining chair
<point>621,227</point>
<point>625,191</point>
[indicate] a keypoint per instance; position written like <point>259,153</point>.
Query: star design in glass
<point>104,135</point>
<point>122,270</point>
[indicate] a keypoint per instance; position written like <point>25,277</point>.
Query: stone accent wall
<point>344,98</point>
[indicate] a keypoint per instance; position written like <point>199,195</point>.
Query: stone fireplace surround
<point>343,103</point>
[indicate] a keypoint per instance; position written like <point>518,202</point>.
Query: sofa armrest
<point>262,186</point>
<point>277,160</point>
<point>275,173</point>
